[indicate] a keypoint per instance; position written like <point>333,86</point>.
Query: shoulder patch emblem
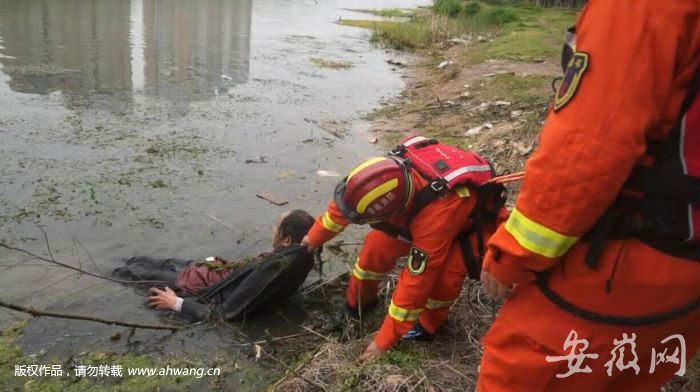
<point>572,78</point>
<point>417,260</point>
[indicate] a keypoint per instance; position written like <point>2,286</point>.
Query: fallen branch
<point>41,313</point>
<point>82,271</point>
<point>275,339</point>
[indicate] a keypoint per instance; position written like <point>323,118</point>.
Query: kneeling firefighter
<point>429,201</point>
<point>600,257</point>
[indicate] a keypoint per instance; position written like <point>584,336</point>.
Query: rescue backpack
<point>445,167</point>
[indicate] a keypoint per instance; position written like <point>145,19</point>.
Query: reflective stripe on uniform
<point>462,191</point>
<point>361,274</point>
<point>537,238</point>
<point>435,304</point>
<point>328,223</point>
<point>403,314</point>
<point>375,193</point>
<point>365,165</point>
<point>466,169</point>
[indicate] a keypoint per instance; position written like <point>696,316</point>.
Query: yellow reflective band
<point>365,165</point>
<point>328,224</point>
<point>434,304</point>
<point>361,274</point>
<point>402,314</point>
<point>537,238</point>
<point>462,191</point>
<point>375,193</point>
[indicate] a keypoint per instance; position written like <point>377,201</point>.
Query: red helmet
<point>375,190</point>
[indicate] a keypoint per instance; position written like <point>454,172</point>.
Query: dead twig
<point>82,271</point>
<point>275,339</point>
<point>41,313</point>
<point>279,361</point>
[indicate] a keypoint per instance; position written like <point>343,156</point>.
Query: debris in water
<point>258,159</point>
<point>272,198</point>
<point>226,77</point>
<point>327,173</point>
<point>220,221</point>
<point>445,64</point>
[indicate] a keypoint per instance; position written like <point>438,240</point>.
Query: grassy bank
<point>513,31</point>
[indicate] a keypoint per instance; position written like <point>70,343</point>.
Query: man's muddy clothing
<point>229,293</point>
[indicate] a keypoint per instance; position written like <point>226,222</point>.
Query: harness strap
<point>392,231</point>
<point>471,263</point>
<point>637,321</point>
<point>422,198</point>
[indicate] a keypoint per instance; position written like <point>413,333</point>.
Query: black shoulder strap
<point>627,321</point>
<point>424,197</point>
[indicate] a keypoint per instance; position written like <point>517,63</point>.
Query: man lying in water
<point>231,289</point>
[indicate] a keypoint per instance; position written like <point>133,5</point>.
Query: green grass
<point>512,31</point>
<point>325,63</point>
<point>388,12</point>
<point>447,7</point>
<point>419,32</point>
<point>512,88</point>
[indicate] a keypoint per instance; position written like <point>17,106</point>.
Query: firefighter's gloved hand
<point>494,287</point>
<point>305,242</point>
<point>371,352</point>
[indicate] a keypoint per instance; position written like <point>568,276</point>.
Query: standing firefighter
<point>599,258</point>
<point>423,200</point>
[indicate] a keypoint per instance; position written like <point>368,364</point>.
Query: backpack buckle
<point>398,151</point>
<point>439,185</point>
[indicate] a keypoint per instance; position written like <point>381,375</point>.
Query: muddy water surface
<point>147,127</point>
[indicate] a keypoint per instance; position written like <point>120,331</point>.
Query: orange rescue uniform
<point>642,57</point>
<point>427,296</point>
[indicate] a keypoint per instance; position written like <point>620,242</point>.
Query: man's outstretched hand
<point>162,299</point>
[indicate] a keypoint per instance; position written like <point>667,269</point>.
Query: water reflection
<point>102,53</point>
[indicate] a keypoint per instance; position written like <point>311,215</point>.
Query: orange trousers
<point>529,327</point>
<point>378,256</point>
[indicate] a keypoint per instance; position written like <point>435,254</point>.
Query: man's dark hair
<point>296,225</point>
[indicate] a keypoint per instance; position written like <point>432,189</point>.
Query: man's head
<point>291,228</point>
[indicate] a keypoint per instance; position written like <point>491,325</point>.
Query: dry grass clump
<point>449,363</point>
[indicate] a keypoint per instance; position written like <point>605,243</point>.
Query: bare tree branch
<point>41,313</point>
<point>53,261</point>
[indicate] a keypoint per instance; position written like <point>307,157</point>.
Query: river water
<point>147,127</point>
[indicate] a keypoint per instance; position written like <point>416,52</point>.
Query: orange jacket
<point>433,231</point>
<point>642,56</point>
